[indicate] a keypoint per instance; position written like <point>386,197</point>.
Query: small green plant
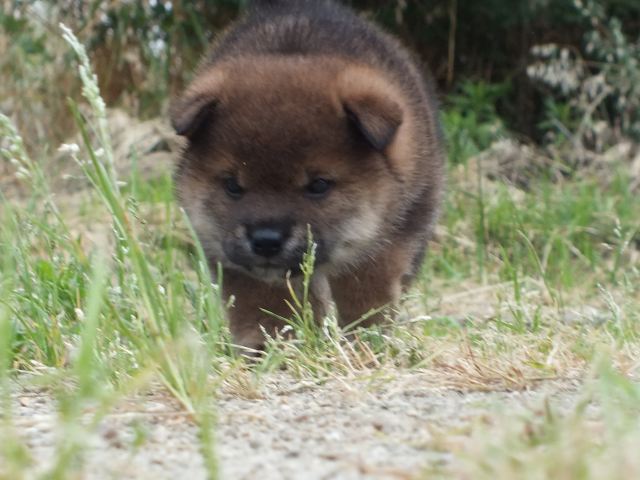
<point>303,322</point>
<point>310,335</point>
<point>470,120</point>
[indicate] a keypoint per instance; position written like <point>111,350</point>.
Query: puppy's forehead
<point>282,112</point>
<point>250,74</point>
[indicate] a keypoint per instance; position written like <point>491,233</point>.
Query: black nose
<point>267,242</point>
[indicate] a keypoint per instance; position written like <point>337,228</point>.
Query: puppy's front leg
<point>246,315</point>
<point>371,286</point>
<point>253,297</point>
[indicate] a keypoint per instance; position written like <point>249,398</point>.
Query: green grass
<point>96,322</point>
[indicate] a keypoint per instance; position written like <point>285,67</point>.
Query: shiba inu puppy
<point>303,117</point>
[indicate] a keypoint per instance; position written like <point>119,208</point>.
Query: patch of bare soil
<point>345,429</point>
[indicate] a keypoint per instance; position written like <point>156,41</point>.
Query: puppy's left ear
<point>372,106</point>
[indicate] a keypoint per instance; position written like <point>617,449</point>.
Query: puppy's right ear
<point>189,115</point>
<point>195,109</point>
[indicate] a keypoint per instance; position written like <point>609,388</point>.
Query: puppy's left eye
<point>232,187</point>
<point>319,187</point>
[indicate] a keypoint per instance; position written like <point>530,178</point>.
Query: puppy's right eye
<point>232,187</point>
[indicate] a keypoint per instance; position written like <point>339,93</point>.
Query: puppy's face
<point>278,148</point>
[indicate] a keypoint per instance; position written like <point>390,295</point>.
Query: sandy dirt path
<point>343,429</point>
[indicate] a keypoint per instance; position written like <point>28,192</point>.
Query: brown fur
<point>274,121</point>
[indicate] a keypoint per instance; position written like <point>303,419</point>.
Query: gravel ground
<point>344,429</point>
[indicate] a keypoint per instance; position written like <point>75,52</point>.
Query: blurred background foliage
<point>539,67</point>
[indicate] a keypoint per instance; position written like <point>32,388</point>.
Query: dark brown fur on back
<point>306,116</point>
